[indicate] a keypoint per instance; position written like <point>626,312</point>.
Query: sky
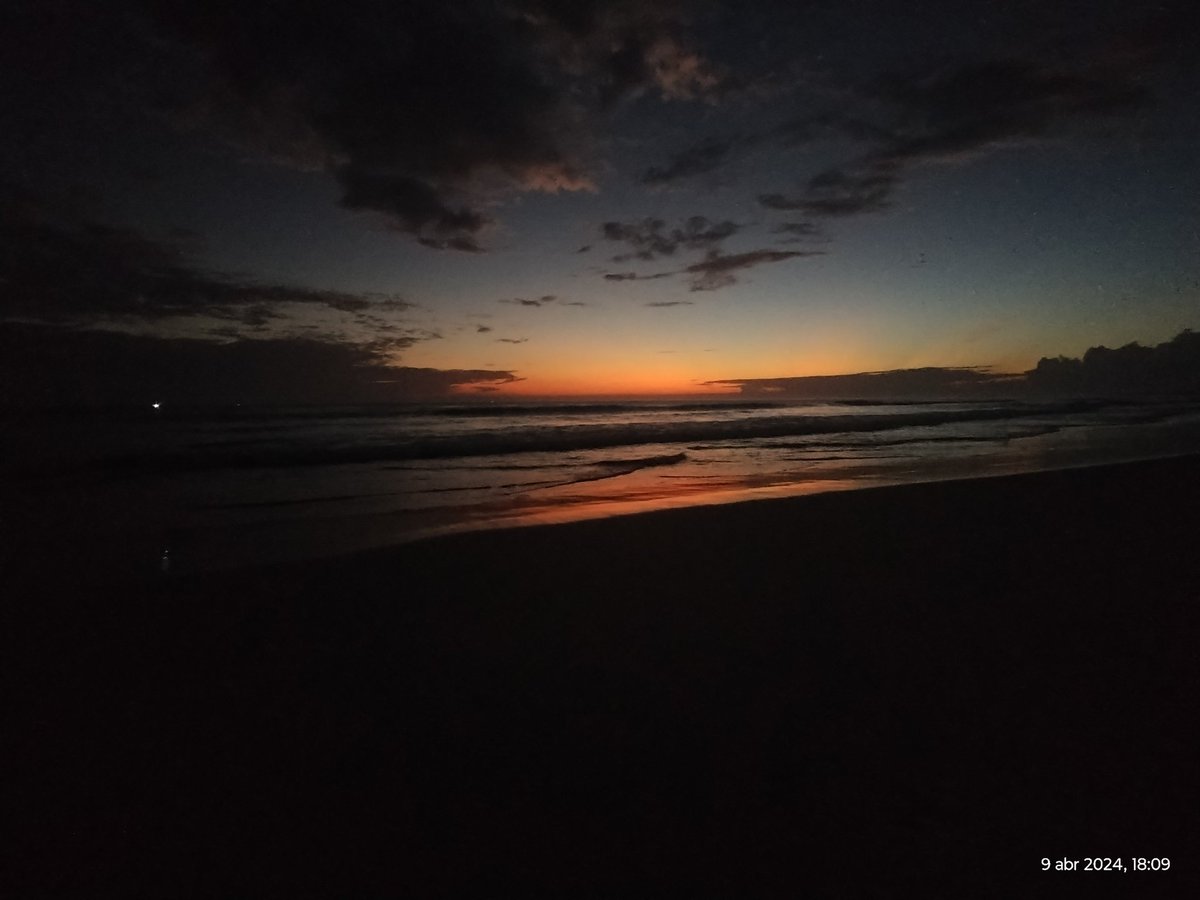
<point>369,200</point>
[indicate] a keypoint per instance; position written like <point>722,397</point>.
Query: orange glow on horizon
<point>579,387</point>
<point>669,380</point>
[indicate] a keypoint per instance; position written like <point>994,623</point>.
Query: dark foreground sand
<point>911,691</point>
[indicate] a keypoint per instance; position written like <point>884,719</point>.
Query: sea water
<point>171,490</point>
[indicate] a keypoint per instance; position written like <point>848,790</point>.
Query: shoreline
<point>918,687</point>
<point>126,525</point>
<point>775,493</point>
<point>785,500</point>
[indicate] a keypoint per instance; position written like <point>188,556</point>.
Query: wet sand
<point>905,691</point>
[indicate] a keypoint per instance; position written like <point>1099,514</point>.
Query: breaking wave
<point>534,434</point>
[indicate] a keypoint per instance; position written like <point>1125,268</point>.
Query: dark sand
<point>909,691</point>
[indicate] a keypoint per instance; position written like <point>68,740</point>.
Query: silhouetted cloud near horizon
<point>666,304</point>
<point>1168,369</point>
<point>1172,367</point>
<point>49,366</point>
<point>923,383</point>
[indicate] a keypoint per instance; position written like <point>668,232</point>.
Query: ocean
<point>162,491</point>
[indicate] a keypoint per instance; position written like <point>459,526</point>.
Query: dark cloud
<point>393,304</point>
<point>626,48</point>
<point>388,345</point>
<point>951,109</point>
<point>387,336</point>
<point>407,102</point>
<point>349,303</point>
<point>650,238</point>
<point>427,112</point>
<point>50,366</point>
<point>666,304</point>
<point>799,233</point>
<point>419,108</point>
<point>718,270</point>
<point>953,113</point>
<point>256,316</point>
<point>412,382</point>
<point>1132,370</point>
<point>713,153</point>
<point>530,301</point>
<point>463,244</point>
<point>808,128</point>
<point>950,113</point>
<point>511,340</point>
<point>412,206</point>
<point>482,329</point>
<point>781,202</point>
<point>798,229</point>
<point>634,276</point>
<point>1168,369</point>
<point>703,157</point>
<point>87,272</point>
<point>927,383</point>
<point>838,193</point>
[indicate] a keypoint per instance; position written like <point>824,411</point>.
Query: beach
<point>599,449</point>
<point>898,691</point>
